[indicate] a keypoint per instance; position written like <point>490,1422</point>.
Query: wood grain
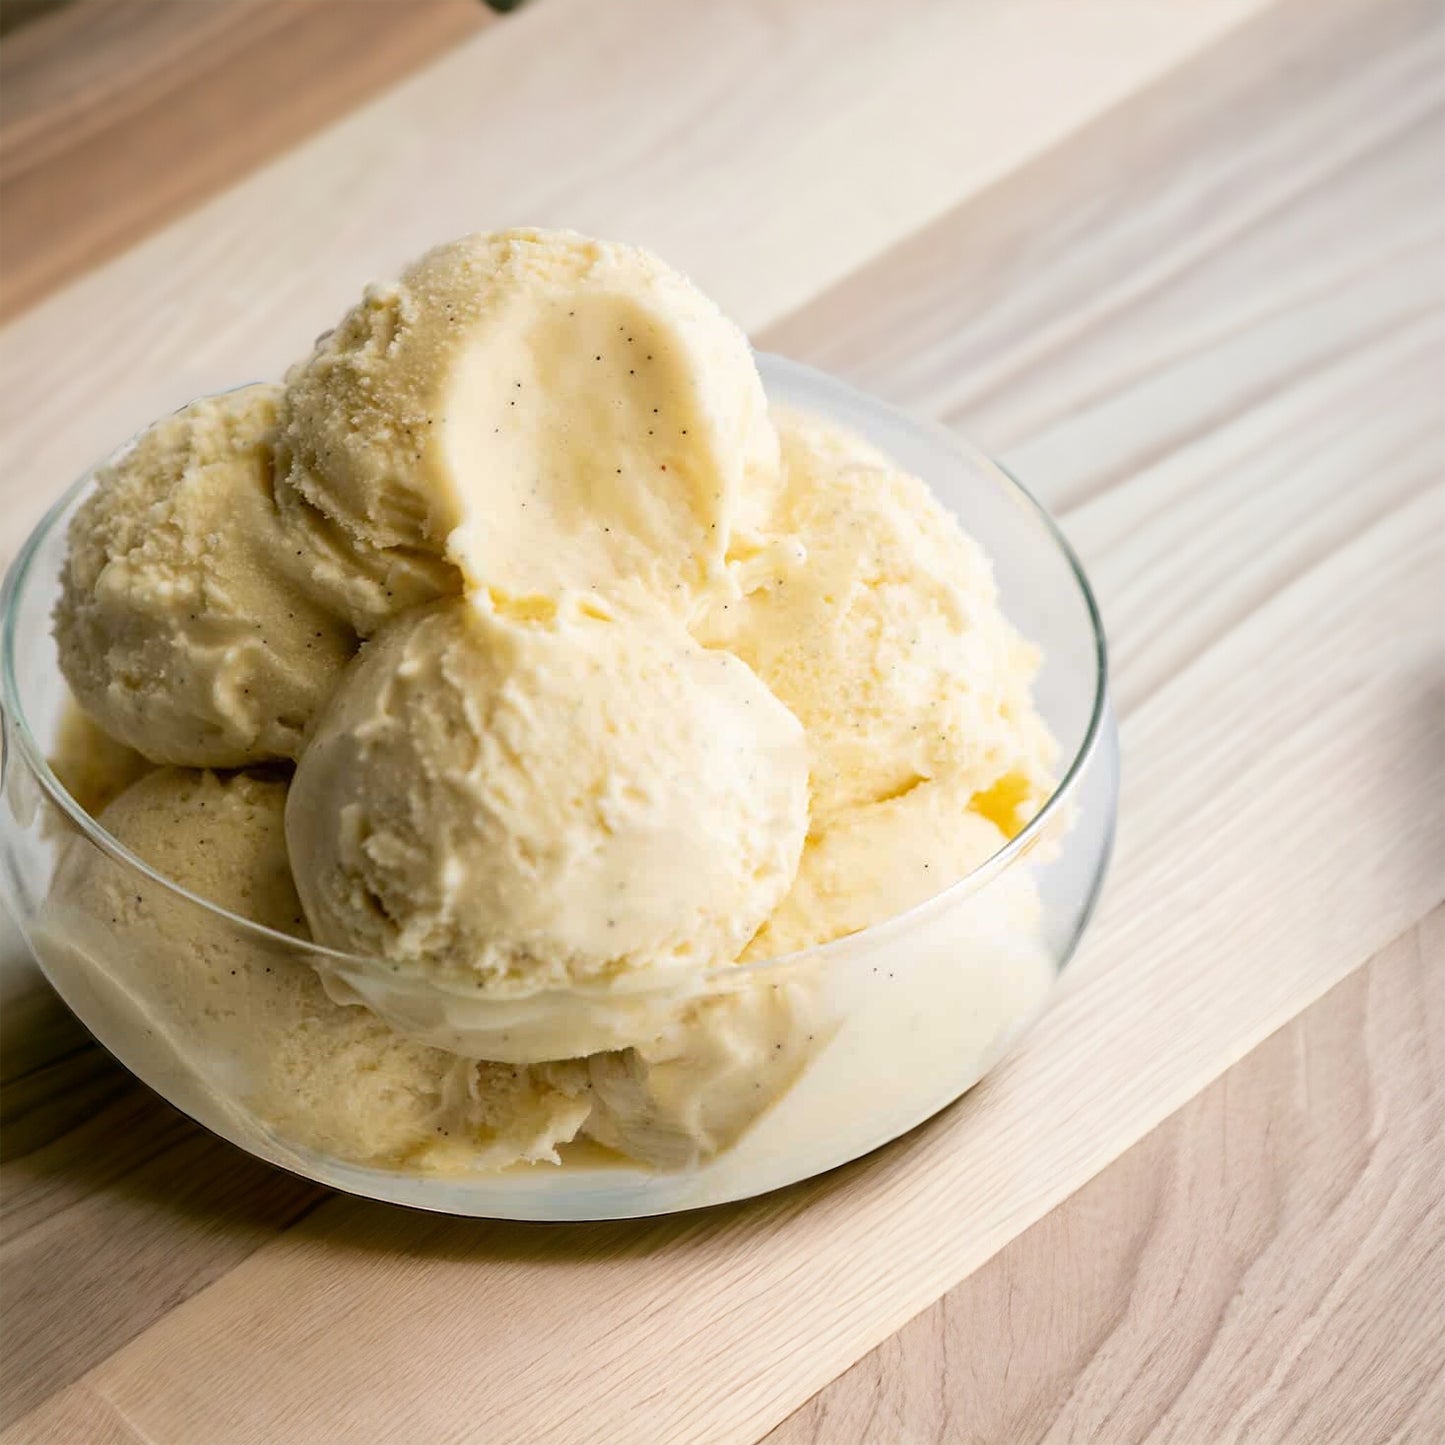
<point>1108,277</point>
<point>764,152</point>
<point>750,1305</point>
<point>79,1415</point>
<point>1259,1268</point>
<point>128,1212</point>
<point>1249,465</point>
<point>120,115</point>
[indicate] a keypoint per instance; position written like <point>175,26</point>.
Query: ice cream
<point>886,639</point>
<point>92,766</point>
<point>506,806</point>
<point>180,628</point>
<point>551,413</point>
<point>876,862</point>
<point>603,688</point>
<point>692,1090</point>
<point>348,577</point>
<point>251,1015</point>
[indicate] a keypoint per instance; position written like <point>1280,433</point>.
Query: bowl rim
<point>19,575</point>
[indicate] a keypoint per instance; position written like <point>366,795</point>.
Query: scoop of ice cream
<point>507,806</point>
<point>692,1091</point>
<point>251,1014</point>
<point>349,576</point>
<point>179,627</point>
<point>875,862</point>
<point>553,413</point>
<point>91,766</point>
<point>884,635</point>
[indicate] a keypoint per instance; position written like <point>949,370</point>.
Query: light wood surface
<point>1206,326</point>
<point>765,150</point>
<point>1262,1267</point>
<point>118,115</point>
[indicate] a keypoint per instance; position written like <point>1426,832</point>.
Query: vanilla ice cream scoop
<point>181,628</point>
<point>691,1091</point>
<point>610,695</point>
<point>552,413</point>
<point>875,862</point>
<point>91,765</point>
<point>249,1020</point>
<point>506,806</point>
<point>349,576</point>
<point>884,635</point>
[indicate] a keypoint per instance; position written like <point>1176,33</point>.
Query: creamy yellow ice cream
<point>691,1091</point>
<point>876,862</point>
<point>511,805</point>
<point>350,578</point>
<point>91,765</point>
<point>883,634</point>
<point>552,413</point>
<point>656,687</point>
<point>248,1015</point>
<point>251,1015</point>
<point>180,629</point>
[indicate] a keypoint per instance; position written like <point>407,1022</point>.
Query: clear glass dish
<point>885,1027</point>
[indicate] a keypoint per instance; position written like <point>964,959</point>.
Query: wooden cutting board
<point>1180,267</point>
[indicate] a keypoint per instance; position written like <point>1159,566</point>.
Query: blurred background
<point>117,115</point>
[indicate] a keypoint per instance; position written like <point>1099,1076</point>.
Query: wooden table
<point>1179,265</point>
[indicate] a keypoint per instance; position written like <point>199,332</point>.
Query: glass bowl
<point>880,1029</point>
